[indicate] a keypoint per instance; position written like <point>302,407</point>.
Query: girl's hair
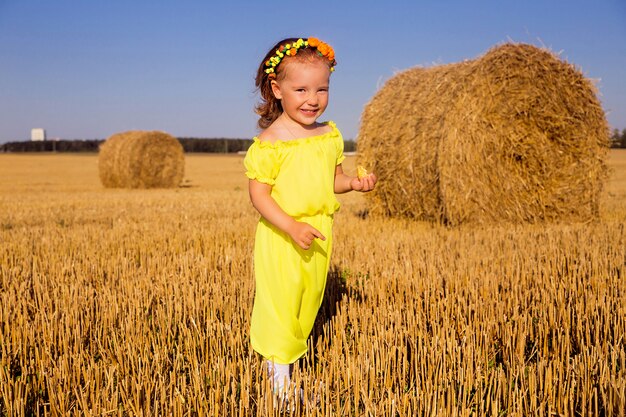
<point>269,107</point>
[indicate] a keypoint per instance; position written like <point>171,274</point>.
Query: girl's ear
<point>276,90</point>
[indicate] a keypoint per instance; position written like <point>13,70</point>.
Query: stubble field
<point>137,302</point>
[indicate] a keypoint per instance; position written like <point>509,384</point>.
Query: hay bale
<point>140,159</point>
<point>517,135</point>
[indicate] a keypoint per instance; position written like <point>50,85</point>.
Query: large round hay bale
<point>141,159</point>
<point>517,135</point>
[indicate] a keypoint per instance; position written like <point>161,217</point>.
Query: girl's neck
<point>297,130</point>
<point>284,131</point>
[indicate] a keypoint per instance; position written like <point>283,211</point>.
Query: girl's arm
<point>345,183</point>
<point>301,233</point>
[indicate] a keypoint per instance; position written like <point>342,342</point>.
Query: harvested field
<point>137,302</point>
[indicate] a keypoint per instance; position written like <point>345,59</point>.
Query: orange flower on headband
<point>323,48</point>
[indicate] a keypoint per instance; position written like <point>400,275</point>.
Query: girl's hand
<point>303,234</point>
<point>367,183</point>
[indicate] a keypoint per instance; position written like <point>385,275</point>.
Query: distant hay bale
<point>140,159</point>
<point>517,135</point>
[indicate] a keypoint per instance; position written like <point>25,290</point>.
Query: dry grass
<point>120,302</point>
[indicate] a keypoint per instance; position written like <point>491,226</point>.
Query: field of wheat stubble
<point>137,302</point>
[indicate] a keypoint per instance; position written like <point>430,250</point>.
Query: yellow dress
<point>290,281</point>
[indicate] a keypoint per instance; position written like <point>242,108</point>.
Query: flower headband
<point>323,49</point>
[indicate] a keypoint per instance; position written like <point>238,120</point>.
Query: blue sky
<point>88,69</point>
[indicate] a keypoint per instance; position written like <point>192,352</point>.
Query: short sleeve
<point>261,163</point>
<point>339,148</point>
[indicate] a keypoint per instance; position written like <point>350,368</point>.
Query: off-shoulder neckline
<point>297,141</point>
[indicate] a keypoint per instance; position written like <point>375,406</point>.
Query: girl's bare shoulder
<point>271,134</point>
<point>325,127</point>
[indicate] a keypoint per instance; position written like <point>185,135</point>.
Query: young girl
<point>294,167</point>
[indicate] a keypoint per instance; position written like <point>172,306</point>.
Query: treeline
<point>205,145</point>
<point>189,145</point>
<point>215,145</point>
<point>52,146</point>
<point>618,140</point>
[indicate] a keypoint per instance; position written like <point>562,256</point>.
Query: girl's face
<point>303,91</point>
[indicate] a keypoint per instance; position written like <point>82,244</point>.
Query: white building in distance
<point>37,134</point>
